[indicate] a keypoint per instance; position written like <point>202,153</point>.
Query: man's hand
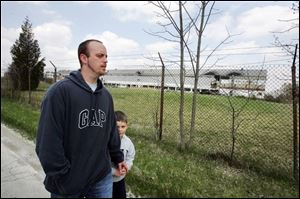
<point>122,168</point>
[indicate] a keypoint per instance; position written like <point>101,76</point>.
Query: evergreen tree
<point>26,68</point>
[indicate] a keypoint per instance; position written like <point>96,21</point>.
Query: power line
<point>134,54</point>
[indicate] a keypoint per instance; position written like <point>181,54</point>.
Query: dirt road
<point>21,173</point>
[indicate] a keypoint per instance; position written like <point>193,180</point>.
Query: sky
<point>124,28</point>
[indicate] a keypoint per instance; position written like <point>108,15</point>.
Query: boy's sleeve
<point>113,170</point>
<point>130,155</point>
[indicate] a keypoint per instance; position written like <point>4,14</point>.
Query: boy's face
<point>122,127</point>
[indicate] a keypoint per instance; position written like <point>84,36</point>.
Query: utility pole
<point>54,71</point>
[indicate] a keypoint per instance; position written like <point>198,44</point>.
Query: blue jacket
<point>77,136</point>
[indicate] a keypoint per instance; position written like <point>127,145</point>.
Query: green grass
<point>20,116</point>
<point>43,86</point>
<point>263,158</point>
<point>162,171</point>
<point>264,138</point>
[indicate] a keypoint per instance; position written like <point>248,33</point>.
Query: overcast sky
<point>60,26</point>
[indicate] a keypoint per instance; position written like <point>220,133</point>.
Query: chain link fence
<point>243,116</point>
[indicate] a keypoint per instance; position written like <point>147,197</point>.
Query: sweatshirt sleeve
<point>114,142</point>
<point>49,143</point>
<point>130,155</point>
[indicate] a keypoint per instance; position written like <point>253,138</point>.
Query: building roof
<point>261,74</point>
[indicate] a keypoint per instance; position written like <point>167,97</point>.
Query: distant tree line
<point>283,95</point>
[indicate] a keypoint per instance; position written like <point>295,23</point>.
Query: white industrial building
<point>217,81</point>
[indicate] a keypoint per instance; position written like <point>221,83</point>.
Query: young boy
<point>119,189</point>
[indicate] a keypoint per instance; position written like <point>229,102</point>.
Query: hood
<point>76,77</point>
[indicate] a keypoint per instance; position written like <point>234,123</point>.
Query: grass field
<point>263,153</point>
<point>264,138</point>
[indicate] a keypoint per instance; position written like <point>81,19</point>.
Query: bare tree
<point>195,59</point>
<point>252,84</point>
<point>179,36</point>
<point>288,46</point>
<point>182,36</point>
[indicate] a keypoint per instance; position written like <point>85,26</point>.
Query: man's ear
<point>83,58</point>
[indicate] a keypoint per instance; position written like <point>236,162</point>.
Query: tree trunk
<point>195,90</point>
<point>233,137</point>
<point>29,85</point>
<point>181,108</point>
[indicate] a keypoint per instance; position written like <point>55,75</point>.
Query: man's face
<point>97,59</point>
<point>122,127</point>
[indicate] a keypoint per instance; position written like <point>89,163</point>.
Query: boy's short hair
<point>120,116</point>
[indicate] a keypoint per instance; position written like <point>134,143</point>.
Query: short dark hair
<point>120,116</point>
<point>83,48</point>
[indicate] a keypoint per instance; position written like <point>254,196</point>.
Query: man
<point>77,135</point>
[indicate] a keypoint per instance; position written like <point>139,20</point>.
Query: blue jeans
<point>102,189</point>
